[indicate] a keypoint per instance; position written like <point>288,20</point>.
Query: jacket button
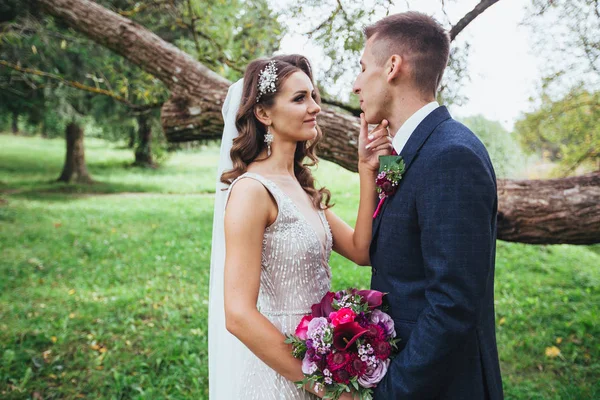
<point>374,271</point>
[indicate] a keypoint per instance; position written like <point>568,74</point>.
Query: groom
<point>434,240</point>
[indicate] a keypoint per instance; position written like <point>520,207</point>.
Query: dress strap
<point>269,185</point>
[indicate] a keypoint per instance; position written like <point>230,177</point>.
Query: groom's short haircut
<point>419,39</point>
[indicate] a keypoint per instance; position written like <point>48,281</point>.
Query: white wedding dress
<point>295,275</point>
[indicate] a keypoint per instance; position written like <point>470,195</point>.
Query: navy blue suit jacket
<point>433,252</point>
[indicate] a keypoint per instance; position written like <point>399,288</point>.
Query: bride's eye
<point>299,98</point>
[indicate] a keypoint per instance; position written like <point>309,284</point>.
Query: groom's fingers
<point>379,140</point>
<point>379,131</point>
<point>384,149</point>
<point>364,127</point>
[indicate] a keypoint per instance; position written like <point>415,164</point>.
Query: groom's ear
<point>393,67</point>
<point>262,115</point>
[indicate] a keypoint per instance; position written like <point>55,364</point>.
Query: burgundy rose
<point>337,360</point>
<point>382,349</point>
<point>372,297</point>
<point>381,179</point>
<point>341,376</point>
<point>375,332</point>
<point>325,307</point>
<point>386,186</point>
<point>356,367</point>
<point>345,335</point>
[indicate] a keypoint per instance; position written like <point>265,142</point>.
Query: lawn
<point>104,288</point>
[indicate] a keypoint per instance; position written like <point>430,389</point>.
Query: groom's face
<point>371,85</point>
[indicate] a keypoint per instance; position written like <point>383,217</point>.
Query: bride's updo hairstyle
<point>251,140</point>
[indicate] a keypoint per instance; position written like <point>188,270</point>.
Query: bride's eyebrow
<point>301,92</point>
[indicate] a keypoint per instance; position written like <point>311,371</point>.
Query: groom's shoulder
<point>452,143</point>
<point>455,137</point>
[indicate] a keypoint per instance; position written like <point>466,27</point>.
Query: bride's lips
<point>311,121</point>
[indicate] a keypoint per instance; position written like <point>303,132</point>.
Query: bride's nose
<point>314,108</point>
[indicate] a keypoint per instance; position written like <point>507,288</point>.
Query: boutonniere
<point>391,169</point>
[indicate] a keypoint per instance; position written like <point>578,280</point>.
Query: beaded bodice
<point>295,262</point>
<point>294,275</point>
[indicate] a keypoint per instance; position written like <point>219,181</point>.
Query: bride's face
<point>293,116</point>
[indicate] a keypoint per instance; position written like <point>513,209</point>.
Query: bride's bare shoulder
<point>250,199</point>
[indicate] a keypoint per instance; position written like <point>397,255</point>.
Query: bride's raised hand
<point>373,144</point>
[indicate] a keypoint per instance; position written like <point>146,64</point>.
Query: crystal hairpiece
<point>267,79</point>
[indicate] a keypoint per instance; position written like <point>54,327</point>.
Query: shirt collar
<point>409,126</point>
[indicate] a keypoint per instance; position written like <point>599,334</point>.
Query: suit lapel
<point>411,151</point>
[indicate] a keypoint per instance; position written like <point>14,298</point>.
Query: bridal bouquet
<point>345,343</point>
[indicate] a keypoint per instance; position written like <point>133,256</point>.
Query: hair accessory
<point>266,80</point>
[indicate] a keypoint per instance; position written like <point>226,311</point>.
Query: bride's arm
<point>354,243</point>
<point>249,210</point>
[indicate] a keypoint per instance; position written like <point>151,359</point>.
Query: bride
<point>273,230</point>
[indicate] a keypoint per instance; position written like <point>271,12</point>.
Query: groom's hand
<point>373,144</point>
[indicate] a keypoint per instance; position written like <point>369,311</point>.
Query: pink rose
<point>302,328</point>
<point>343,316</point>
<point>373,375</point>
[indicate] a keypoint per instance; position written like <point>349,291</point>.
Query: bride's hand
<point>374,144</point>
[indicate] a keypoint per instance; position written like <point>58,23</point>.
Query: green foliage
<point>105,296</point>
<point>566,130</point>
<point>504,149</point>
<point>568,33</point>
<point>564,126</point>
<point>337,27</point>
<point>222,35</point>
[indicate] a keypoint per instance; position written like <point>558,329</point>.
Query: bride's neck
<point>281,160</point>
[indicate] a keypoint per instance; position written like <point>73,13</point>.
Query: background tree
<point>504,148</point>
<point>193,112</point>
<point>566,130</point>
<point>565,122</point>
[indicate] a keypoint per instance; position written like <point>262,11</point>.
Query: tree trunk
<point>143,151</point>
<point>15,122</point>
<point>44,129</point>
<point>550,211</point>
<point>194,112</point>
<point>74,169</point>
<point>131,142</point>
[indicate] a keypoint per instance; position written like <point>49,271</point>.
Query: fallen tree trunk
<point>549,211</point>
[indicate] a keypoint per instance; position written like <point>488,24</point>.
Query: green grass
<point>104,291</point>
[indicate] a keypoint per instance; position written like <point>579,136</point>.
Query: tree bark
<point>131,140</point>
<point>15,122</point>
<point>470,16</point>
<point>75,169</point>
<point>143,151</point>
<point>194,112</point>
<point>550,211</point>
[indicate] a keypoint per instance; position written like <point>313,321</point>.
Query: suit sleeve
<point>456,205</point>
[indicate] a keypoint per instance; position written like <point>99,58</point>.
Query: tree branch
<point>142,6</point>
<point>81,86</point>
<point>328,20</point>
<point>354,111</point>
<point>470,16</point>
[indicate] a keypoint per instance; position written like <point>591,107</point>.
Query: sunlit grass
<point>104,289</point>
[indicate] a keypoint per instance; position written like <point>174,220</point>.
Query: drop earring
<point>268,140</point>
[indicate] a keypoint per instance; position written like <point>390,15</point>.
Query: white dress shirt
<point>411,124</point>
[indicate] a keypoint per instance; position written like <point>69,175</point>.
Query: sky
<point>503,69</point>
